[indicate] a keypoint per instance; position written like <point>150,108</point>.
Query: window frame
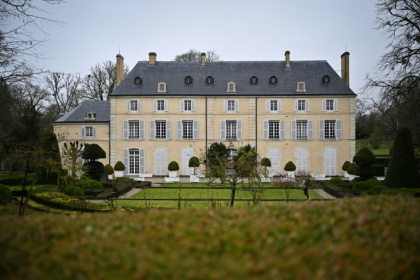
<point>160,130</point>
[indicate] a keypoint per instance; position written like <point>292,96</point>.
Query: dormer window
<point>162,87</point>
<point>90,116</point>
<point>253,80</point>
<point>209,80</point>
<point>231,87</point>
<point>273,80</point>
<point>188,80</point>
<point>301,87</point>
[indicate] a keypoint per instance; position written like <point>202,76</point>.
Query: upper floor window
<point>187,130</point>
<point>88,131</point>
<point>133,129</point>
<point>330,129</point>
<point>160,130</point>
<point>274,105</point>
<point>187,105</point>
<point>273,130</point>
<point>301,87</point>
<point>90,116</point>
<point>160,105</point>
<point>330,105</point>
<point>231,130</point>
<point>302,129</point>
<point>161,87</point>
<point>133,106</point>
<point>231,106</point>
<point>231,87</point>
<point>301,105</point>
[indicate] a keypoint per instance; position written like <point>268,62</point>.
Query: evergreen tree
<point>402,169</point>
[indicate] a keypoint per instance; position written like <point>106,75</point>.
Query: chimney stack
<point>120,68</point>
<point>345,67</point>
<point>152,57</point>
<point>287,55</point>
<point>203,59</point>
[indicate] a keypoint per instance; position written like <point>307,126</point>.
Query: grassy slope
<point>364,238</point>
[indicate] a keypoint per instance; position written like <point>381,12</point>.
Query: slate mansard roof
<point>174,73</point>
<point>77,115</point>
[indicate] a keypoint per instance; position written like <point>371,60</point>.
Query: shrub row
<point>64,202</point>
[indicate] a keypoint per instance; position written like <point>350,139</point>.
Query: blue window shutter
<point>126,161</point>
<point>166,105</point>
<point>179,130</point>
<point>138,105</point>
<point>141,130</point>
<point>265,129</point>
<point>282,130</point>
<point>154,105</point>
<point>306,105</point>
<point>195,130</point>
<point>310,130</point>
<point>338,130</point>
<point>223,130</point>
<point>142,161</point>
<point>293,130</point>
<point>193,105</point>
<point>168,130</point>
<point>128,106</point>
<point>324,105</point>
<point>239,130</point>
<point>268,105</point>
<point>335,105</point>
<point>182,106</point>
<point>152,130</point>
<point>125,129</point>
<point>236,105</point>
<point>322,129</point>
<point>83,132</point>
<point>94,131</point>
<point>279,108</point>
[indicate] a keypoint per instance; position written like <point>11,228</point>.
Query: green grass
<point>382,150</point>
<point>205,193</point>
<point>364,238</point>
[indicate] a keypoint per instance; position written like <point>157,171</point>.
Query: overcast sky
<point>238,30</point>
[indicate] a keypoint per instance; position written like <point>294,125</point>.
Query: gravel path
<point>324,194</point>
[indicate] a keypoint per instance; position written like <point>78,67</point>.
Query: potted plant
<point>194,162</point>
<point>290,168</point>
<point>265,177</point>
<point>345,167</point>
<point>109,170</point>
<point>173,168</point>
<point>119,169</point>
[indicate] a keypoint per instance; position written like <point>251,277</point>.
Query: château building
<point>163,111</point>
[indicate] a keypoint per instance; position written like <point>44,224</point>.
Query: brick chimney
<point>203,59</point>
<point>152,57</point>
<point>345,67</point>
<point>120,68</point>
<point>287,58</point>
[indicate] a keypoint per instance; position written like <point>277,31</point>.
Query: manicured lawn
<point>361,238</point>
<point>206,193</point>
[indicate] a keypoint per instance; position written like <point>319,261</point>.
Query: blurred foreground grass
<point>364,238</point>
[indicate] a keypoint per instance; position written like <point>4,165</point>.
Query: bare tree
<point>19,18</point>
<point>101,81</point>
<point>398,77</point>
<point>194,55</point>
<point>66,89</point>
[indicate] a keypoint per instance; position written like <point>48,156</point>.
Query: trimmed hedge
<point>336,181</point>
<point>377,190</point>
<point>62,201</point>
<point>5,195</point>
<point>362,186</point>
<point>73,191</point>
<point>92,184</point>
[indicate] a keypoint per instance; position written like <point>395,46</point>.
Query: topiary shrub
<point>119,166</point>
<point>375,190</point>
<point>336,181</point>
<point>194,162</point>
<point>173,166</point>
<point>379,169</point>
<point>374,182</point>
<point>402,169</point>
<point>364,160</point>
<point>266,162</point>
<point>109,169</point>
<point>346,165</point>
<point>95,169</point>
<point>352,169</point>
<point>93,152</point>
<point>362,186</point>
<point>5,195</point>
<point>73,191</point>
<point>290,166</point>
<point>144,184</point>
<point>91,184</point>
